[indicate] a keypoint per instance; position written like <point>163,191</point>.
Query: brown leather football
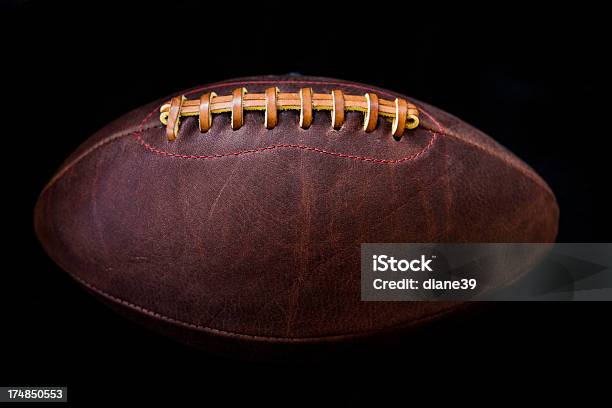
<point>231,216</point>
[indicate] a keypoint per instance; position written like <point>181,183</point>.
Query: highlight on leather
<point>205,116</point>
<point>338,106</point>
<point>238,108</point>
<point>399,121</point>
<point>402,114</point>
<point>174,116</point>
<point>270,117</point>
<point>371,117</point>
<point>305,107</point>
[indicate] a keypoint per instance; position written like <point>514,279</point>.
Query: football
<point>230,216</point>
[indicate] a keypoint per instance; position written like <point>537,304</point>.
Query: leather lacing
<point>401,113</point>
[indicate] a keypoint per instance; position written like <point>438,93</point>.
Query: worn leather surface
<point>254,235</point>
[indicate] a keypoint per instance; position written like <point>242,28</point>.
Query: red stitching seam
<point>291,146</point>
<point>156,315</point>
<point>138,132</point>
<point>92,148</point>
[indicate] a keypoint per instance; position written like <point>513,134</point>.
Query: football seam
<point>141,128</point>
<point>63,170</point>
<point>441,131</point>
<point>139,139</point>
<point>523,171</point>
<point>110,139</point>
<point>289,146</point>
<point>212,330</point>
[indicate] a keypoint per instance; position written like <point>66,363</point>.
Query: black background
<point>533,79</point>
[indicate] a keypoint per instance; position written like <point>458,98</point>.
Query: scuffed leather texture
<point>252,237</point>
